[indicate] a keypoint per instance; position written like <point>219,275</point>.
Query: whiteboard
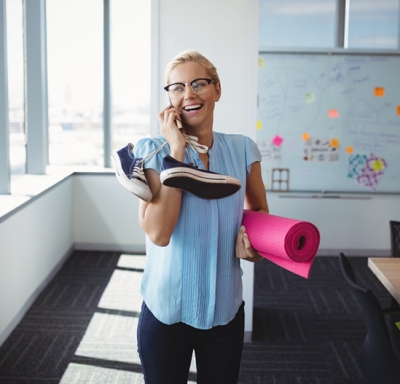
<point>331,120</point>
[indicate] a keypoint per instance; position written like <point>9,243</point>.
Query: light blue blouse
<point>196,279</point>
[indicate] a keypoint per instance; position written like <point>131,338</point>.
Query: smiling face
<point>196,110</point>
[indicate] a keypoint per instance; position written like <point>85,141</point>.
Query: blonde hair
<point>191,56</point>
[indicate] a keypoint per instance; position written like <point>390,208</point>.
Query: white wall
<point>105,215</point>
<point>355,225</point>
<point>33,241</point>
<point>226,32</point>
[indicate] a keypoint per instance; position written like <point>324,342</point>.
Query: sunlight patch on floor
<point>110,337</point>
<point>123,292</point>
<point>132,261</point>
<point>88,374</point>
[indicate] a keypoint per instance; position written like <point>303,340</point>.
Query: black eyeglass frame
<point>209,81</point>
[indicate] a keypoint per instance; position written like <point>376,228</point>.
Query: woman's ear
<point>218,91</point>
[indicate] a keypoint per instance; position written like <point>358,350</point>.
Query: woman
<point>191,285</point>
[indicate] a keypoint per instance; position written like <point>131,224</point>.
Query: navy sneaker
<point>130,174</point>
<point>199,182</point>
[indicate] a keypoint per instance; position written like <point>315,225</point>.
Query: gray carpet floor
<point>82,327</point>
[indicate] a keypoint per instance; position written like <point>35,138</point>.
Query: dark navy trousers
<point>166,350</point>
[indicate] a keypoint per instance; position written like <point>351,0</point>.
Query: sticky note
<point>334,143</point>
<point>305,136</point>
<point>309,98</point>
<point>333,113</point>
<point>277,140</point>
<point>398,110</point>
<point>261,62</point>
<point>377,165</point>
<point>379,92</point>
<point>259,124</point>
<point>349,150</point>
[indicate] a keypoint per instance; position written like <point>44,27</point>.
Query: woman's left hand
<point>244,249</point>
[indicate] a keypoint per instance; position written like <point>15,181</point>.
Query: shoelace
<point>192,142</point>
<point>138,172</point>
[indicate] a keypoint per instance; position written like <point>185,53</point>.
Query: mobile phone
<point>178,122</point>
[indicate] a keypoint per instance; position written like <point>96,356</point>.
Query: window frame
<point>4,124</point>
<point>342,26</point>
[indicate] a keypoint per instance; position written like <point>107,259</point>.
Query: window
<point>75,78</point>
<point>16,97</point>
<point>373,24</point>
<point>327,24</point>
<point>293,23</point>
<point>75,82</point>
<point>130,71</point>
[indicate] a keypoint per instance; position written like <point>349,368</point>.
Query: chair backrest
<point>395,238</point>
<point>378,359</point>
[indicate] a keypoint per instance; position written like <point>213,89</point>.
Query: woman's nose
<point>189,92</point>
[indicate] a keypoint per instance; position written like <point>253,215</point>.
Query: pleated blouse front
<point>196,279</point>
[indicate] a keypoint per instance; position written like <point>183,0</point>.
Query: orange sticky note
<point>349,150</point>
<point>379,92</point>
<point>333,113</point>
<point>334,143</point>
<point>305,136</point>
<point>398,110</point>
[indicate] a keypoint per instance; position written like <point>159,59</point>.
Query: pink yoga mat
<point>289,243</point>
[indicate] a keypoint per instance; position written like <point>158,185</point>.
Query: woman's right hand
<point>169,129</point>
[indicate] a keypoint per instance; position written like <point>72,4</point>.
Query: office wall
<point>226,32</point>
<point>105,215</point>
<point>33,242</point>
<point>355,225</point>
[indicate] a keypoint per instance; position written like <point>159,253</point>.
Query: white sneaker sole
<point>131,185</point>
<point>201,184</point>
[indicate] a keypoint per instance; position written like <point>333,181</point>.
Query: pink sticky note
<point>277,140</point>
<point>333,113</point>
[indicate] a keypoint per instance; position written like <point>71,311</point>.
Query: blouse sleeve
<point>146,146</point>
<point>252,154</point>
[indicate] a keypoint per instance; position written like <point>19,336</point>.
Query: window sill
<point>28,187</point>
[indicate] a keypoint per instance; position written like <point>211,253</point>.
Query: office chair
<point>395,238</point>
<point>380,351</point>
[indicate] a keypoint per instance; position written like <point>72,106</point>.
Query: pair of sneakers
<point>176,174</point>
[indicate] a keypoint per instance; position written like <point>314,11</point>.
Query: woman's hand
<point>244,249</point>
<point>169,129</point>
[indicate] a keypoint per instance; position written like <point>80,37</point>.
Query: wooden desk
<point>387,270</point>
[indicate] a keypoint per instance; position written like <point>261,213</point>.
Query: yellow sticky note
<point>305,136</point>
<point>349,150</point>
<point>398,110</point>
<point>309,98</point>
<point>334,143</point>
<point>261,62</point>
<point>379,92</point>
<point>259,124</point>
<point>333,113</point>
<point>377,165</point>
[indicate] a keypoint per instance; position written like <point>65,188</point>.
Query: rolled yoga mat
<point>289,243</point>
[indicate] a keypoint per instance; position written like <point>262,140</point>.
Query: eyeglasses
<point>199,86</point>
